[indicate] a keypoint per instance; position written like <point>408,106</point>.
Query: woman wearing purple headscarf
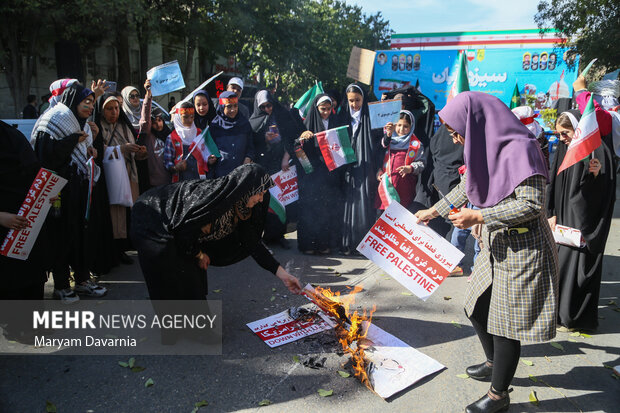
<point>513,292</point>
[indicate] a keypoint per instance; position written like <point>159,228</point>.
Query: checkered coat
<point>522,268</point>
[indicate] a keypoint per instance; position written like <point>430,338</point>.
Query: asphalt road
<point>568,380</point>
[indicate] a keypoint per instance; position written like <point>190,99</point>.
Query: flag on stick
<point>276,207</point>
<point>587,138</point>
<point>515,101</point>
<point>461,82</point>
<point>303,104</point>
<point>205,144</point>
<point>335,146</point>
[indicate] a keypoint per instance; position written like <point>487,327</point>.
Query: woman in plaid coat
<point>513,293</point>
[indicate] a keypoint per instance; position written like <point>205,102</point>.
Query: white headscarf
<point>524,112</point>
<point>186,133</point>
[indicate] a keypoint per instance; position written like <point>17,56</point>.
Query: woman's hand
<point>379,174</point>
<point>285,160</point>
<point>552,222</point>
<point>579,84</point>
<point>291,282</point>
<point>128,148</point>
<point>94,128</point>
<point>404,170</point>
<point>466,218</point>
<point>212,160</point>
<point>594,167</point>
<point>180,167</point>
<point>425,215</point>
<point>99,87</point>
<point>83,136</point>
<point>147,87</point>
<point>90,151</point>
<point>203,260</point>
<point>389,129</point>
<point>12,221</point>
<point>305,136</point>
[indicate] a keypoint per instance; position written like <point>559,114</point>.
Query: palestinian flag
<point>587,138</point>
<point>206,145</point>
<point>461,83</point>
<point>303,104</point>
<point>516,97</point>
<point>335,146</point>
<point>387,192</point>
<point>276,207</point>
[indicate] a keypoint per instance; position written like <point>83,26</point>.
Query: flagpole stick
<point>190,152</point>
<point>188,97</point>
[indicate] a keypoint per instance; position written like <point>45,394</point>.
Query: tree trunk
<point>18,77</point>
<point>191,49</point>
<point>143,35</point>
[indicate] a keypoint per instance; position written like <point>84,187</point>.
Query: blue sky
<point>422,16</point>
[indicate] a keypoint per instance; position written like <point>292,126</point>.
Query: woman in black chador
<point>320,192</point>
<point>581,197</point>
<point>182,228</point>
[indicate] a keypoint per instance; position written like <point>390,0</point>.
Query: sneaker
<point>90,288</point>
<point>67,296</point>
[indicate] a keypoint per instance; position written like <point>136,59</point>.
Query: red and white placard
<point>415,255</point>
<point>286,189</point>
<point>35,207</point>
<point>282,329</point>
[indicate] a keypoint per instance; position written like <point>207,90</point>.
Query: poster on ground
<point>35,207</point>
<point>413,254</point>
<point>288,326</point>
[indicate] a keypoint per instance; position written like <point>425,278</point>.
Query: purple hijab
<point>500,152</point>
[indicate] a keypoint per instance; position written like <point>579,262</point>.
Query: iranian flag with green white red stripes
<point>335,146</point>
<point>587,138</point>
<point>275,206</point>
<point>387,192</point>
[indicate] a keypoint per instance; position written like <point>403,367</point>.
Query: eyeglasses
<point>133,96</point>
<point>267,106</point>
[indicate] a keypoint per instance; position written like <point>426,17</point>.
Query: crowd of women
<point>188,210</point>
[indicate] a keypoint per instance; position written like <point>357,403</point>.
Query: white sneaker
<point>90,288</point>
<point>67,296</point>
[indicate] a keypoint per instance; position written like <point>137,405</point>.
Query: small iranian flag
<point>516,97</point>
<point>387,192</point>
<point>205,144</point>
<point>587,138</point>
<point>461,83</point>
<point>276,207</point>
<point>336,147</point>
<point>303,104</point>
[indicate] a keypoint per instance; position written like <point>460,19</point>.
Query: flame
<point>352,327</point>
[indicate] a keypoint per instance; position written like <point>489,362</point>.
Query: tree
<point>290,44</point>
<point>591,27</point>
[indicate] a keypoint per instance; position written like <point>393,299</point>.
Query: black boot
<point>488,405</point>
<point>480,371</point>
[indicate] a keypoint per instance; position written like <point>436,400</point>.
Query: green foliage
<point>592,27</point>
<point>549,116</point>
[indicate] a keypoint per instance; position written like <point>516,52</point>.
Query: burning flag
<point>336,147</point>
<point>587,138</point>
